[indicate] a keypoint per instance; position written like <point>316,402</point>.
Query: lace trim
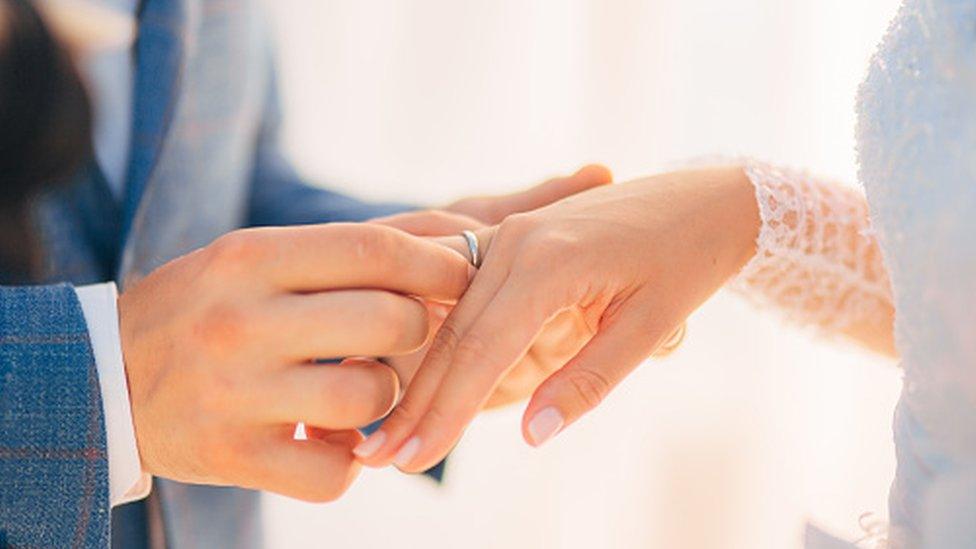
<point>875,532</point>
<point>817,259</point>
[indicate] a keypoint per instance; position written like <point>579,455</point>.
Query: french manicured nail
<point>544,425</point>
<point>371,445</point>
<point>407,453</point>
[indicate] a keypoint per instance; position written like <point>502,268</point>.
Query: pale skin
<point>219,344</point>
<point>557,343</point>
<point>630,261</point>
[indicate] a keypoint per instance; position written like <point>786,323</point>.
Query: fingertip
<point>348,438</point>
<point>407,454</point>
<point>436,268</point>
<point>381,448</point>
<point>319,470</point>
<point>597,174</point>
<point>384,381</point>
<point>541,424</point>
<point>353,469</point>
<point>369,446</point>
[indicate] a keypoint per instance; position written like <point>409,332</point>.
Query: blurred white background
<point>753,428</point>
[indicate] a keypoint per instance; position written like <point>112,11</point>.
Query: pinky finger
<point>578,387</point>
<point>319,469</point>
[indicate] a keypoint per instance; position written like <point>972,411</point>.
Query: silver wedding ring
<point>472,240</point>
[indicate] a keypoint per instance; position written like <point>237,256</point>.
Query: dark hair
<point>45,128</point>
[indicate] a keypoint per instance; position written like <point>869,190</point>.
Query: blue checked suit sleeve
<point>53,465</point>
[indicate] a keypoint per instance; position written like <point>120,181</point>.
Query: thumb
<point>543,194</point>
<point>493,210</point>
<point>616,350</point>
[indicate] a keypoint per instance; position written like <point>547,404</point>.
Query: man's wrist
<point>127,481</point>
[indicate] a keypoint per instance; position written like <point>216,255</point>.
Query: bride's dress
<point>821,262</point>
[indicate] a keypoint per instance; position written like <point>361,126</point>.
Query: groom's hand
<point>219,344</point>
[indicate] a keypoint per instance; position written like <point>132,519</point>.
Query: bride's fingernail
<point>370,445</point>
<point>407,453</point>
<point>544,425</point>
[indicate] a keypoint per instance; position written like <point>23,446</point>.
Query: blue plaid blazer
<point>205,159</point>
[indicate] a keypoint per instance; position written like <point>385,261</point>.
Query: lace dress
<point>820,261</point>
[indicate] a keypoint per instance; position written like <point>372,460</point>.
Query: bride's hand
<point>631,260</point>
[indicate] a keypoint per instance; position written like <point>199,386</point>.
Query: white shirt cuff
<point>126,479</point>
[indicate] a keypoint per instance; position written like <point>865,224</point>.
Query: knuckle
<point>589,387</point>
<point>403,322</point>
<point>471,349</point>
<point>490,211</point>
<point>439,418</point>
<point>404,414</point>
<point>234,251</point>
<point>517,226</point>
<point>442,347</point>
<point>446,339</point>
<point>552,245</point>
<point>541,251</point>
<point>373,243</point>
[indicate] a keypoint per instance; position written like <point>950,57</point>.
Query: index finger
<point>484,354</point>
<point>458,376</point>
<point>349,256</point>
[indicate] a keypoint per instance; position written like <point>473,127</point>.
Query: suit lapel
<point>159,53</point>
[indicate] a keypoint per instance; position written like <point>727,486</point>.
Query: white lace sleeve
<point>817,259</point>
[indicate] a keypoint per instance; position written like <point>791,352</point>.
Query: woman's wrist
<point>746,220</point>
<point>729,220</point>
